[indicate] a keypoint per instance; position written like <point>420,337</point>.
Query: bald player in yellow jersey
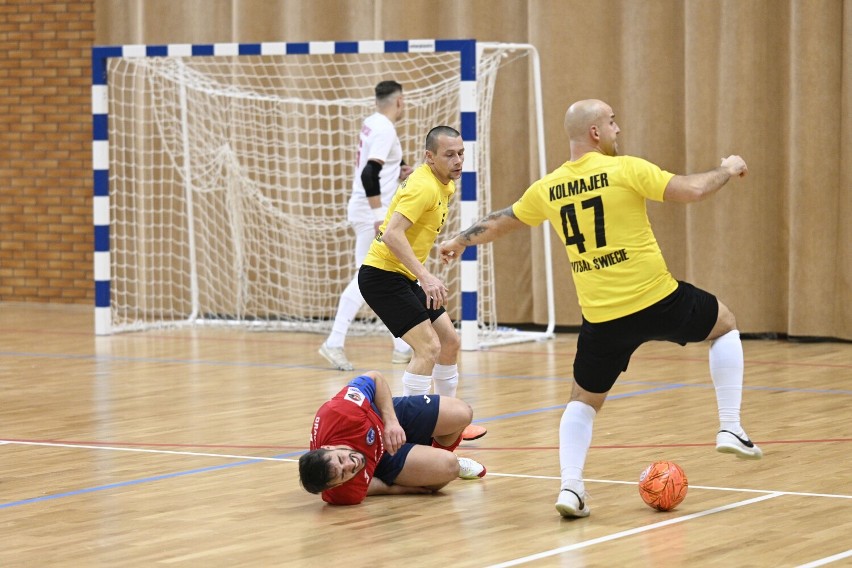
<point>395,282</point>
<point>596,203</point>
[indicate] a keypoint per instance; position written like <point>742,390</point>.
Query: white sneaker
<point>401,356</point>
<point>470,469</point>
<point>571,505</point>
<point>336,357</point>
<point>729,443</point>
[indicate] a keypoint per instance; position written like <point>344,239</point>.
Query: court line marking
<point>105,358</point>
<point>491,474</point>
<point>709,487</point>
<point>827,560</point>
<point>119,444</point>
<point>501,349</point>
<point>144,450</point>
<point>630,532</point>
<point>122,484</point>
<point>250,460</point>
<point>245,460</point>
<point>255,459</point>
<point>294,447</point>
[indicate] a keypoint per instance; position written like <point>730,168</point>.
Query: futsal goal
<point>222,174</point>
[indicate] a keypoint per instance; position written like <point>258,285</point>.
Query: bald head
<point>590,126</point>
<point>583,114</point>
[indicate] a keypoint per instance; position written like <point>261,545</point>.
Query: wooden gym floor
<point>178,448</point>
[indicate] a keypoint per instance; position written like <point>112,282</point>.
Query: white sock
<point>351,301</point>
<point>726,370</point>
<point>446,379</point>
<point>575,437</point>
<point>399,344</point>
<point>413,385</point>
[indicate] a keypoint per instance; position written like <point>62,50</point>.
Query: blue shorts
<point>399,302</point>
<point>418,416</point>
<point>687,315</point>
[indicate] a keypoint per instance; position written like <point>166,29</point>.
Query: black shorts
<point>418,416</point>
<point>687,315</point>
<point>399,302</point>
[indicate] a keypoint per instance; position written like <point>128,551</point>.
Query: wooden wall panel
<point>689,81</point>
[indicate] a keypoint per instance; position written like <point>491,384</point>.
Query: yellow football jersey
<point>597,206</point>
<point>424,201</point>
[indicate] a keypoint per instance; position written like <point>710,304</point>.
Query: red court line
<point>152,445</point>
<point>643,446</point>
<point>464,446</point>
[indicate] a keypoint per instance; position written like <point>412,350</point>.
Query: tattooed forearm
<point>471,232</point>
<point>485,224</point>
<point>507,212</point>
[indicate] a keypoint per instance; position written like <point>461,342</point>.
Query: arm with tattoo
<point>491,227</point>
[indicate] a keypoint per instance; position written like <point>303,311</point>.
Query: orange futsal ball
<point>663,485</point>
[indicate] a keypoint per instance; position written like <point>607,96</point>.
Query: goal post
<point>222,174</point>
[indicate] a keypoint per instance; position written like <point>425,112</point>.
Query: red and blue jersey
<point>351,419</point>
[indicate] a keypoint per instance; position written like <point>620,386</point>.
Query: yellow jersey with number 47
<point>597,206</point>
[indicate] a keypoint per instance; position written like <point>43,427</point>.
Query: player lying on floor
<point>366,442</point>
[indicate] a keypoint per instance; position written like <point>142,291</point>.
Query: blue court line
<point>136,481</point>
<point>123,484</point>
<point>745,387</point>
<point>662,388</point>
<point>281,456</point>
<point>562,406</point>
<point>668,387</point>
<point>249,364</point>
<point>796,389</point>
<point>110,358</point>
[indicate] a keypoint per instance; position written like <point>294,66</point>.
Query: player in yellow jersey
<point>596,202</point>
<point>395,282</point>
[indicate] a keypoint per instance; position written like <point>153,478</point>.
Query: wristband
<point>379,213</point>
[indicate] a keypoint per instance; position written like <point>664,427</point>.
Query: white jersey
<point>378,141</point>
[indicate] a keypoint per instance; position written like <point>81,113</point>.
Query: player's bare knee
<point>593,399</point>
<point>725,322</point>
<point>466,412</point>
<point>730,321</point>
<point>451,344</point>
<point>457,413</point>
<point>450,467</point>
<point>435,349</point>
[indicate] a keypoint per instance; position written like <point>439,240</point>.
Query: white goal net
<point>229,178</point>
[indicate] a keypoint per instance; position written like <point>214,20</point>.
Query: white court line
<point>490,474</point>
<point>827,560</point>
<point>142,450</point>
<point>711,488</point>
<point>630,532</point>
<point>576,546</point>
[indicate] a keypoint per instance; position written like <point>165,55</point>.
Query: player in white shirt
<point>379,170</point>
